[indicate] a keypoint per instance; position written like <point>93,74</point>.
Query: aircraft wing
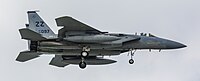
<point>73,26</point>
<point>30,35</point>
<point>92,60</point>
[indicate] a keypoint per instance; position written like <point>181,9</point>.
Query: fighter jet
<point>81,44</point>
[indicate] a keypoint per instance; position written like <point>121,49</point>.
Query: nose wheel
<point>131,61</point>
<point>131,52</point>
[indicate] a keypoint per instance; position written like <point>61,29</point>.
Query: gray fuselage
<point>118,43</point>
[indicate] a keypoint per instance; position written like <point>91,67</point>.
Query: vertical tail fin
<point>37,24</point>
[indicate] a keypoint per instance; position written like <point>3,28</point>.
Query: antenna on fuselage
<point>151,35</point>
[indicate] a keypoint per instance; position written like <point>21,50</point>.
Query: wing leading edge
<point>72,26</point>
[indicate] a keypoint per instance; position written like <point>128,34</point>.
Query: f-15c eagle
<point>78,43</point>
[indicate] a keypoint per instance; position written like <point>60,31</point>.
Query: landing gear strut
<point>84,54</point>
<point>131,61</point>
<point>82,64</point>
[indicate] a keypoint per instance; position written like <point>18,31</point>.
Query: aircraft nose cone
<point>179,45</point>
<point>174,45</point>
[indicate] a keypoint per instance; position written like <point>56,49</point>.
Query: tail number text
<point>43,31</point>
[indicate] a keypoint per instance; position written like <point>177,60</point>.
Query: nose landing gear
<point>131,52</point>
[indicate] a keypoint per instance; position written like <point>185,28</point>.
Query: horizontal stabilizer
<point>57,61</point>
<point>30,35</point>
<point>27,55</point>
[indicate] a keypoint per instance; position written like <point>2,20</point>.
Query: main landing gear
<point>82,64</point>
<point>84,54</point>
<point>131,52</point>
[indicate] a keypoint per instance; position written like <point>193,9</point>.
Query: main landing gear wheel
<point>84,54</point>
<point>131,61</point>
<point>85,51</point>
<point>82,65</point>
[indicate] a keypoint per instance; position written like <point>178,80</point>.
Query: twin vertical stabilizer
<point>37,24</point>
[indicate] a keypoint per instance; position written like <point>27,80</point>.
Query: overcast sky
<point>178,20</point>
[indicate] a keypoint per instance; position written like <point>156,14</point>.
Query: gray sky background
<point>174,19</point>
